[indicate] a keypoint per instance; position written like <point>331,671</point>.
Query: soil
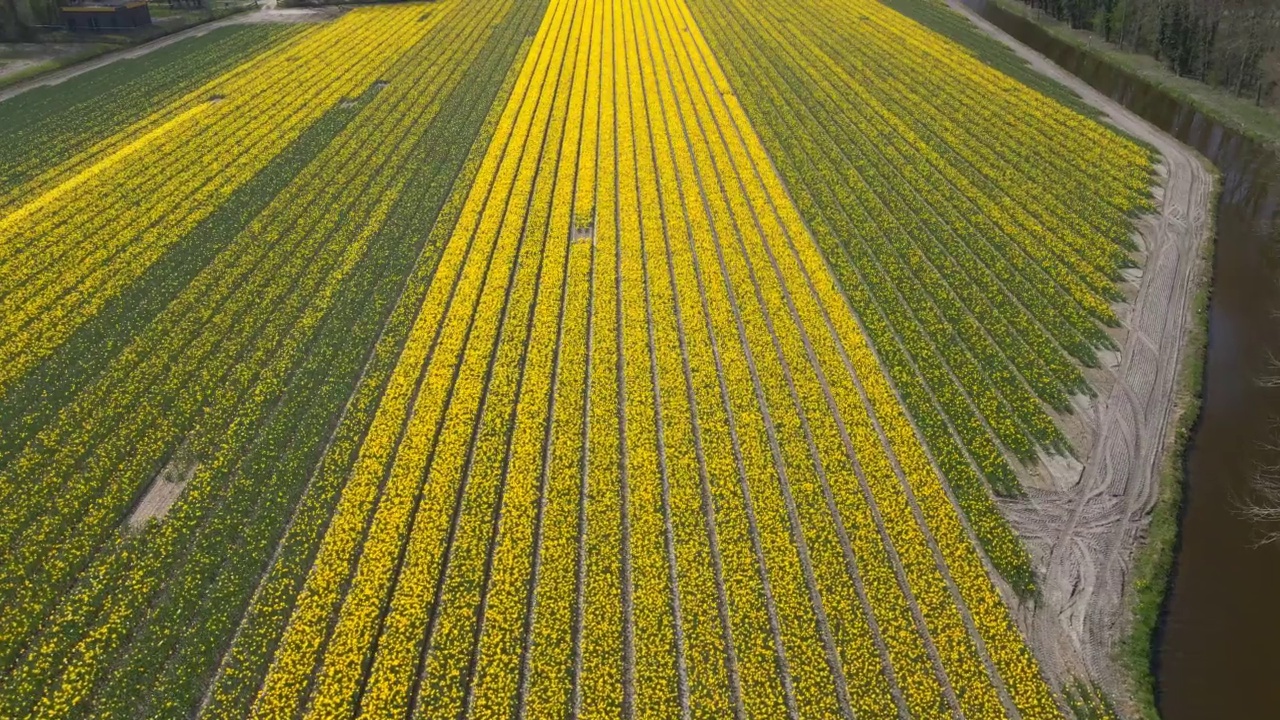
<point>164,491</point>
<point>1084,519</point>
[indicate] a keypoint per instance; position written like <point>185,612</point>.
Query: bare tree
<point>1263,507</point>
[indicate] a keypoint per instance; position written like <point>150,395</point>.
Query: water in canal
<point>1218,645</point>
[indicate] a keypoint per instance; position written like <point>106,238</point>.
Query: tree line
<point>1232,44</point>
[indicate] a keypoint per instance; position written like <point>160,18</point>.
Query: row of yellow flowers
<point>901,520</point>
<point>760,524</point>
<point>658,663</point>
<point>54,124</point>
<point>897,514</point>
<point>904,250</point>
<point>982,319</point>
<point>713,682</point>
<point>399,429</point>
<point>547,653</point>
<point>301,256</point>
<point>850,645</point>
<point>1033,210</point>
<point>72,247</point>
<point>519,382</point>
<point>57,451</point>
<point>600,672</point>
<point>912,664</point>
<point>1017,160</point>
<point>701,274</point>
<point>759,678</point>
<point>538,462</point>
<point>244,664</point>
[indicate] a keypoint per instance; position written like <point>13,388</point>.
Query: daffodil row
<point>712,678</point>
<point>345,248</point>
<point>519,382</point>
<point>460,107</point>
<point>757,679</point>
<point>316,42</point>
<point>544,662</point>
<point>843,607</point>
<point>1019,165</point>
<point>245,663</point>
<point>891,166</point>
<point>397,451</point>
<point>1105,156</point>
<point>936,268</point>
<point>937,612</point>
<point>914,496</point>
<point>71,247</point>
<point>96,499</point>
<point>809,682</point>
<point>600,672</point>
<point>500,638</point>
<point>1032,213</point>
<point>955,403</point>
<point>660,666</point>
<point>1010,219</point>
<point>547,655</point>
<point>49,456</point>
<point>906,253</point>
<point>53,123</point>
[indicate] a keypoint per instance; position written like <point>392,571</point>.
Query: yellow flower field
<point>590,358</point>
<point>753,427</point>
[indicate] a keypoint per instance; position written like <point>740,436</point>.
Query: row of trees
<point>1234,44</point>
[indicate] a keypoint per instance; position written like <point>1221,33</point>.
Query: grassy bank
<point>1239,113</point>
<point>1153,562</point>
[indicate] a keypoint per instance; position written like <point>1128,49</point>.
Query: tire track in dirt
<point>1084,529</point>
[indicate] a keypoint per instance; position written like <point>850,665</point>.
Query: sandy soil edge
<point>1083,529</point>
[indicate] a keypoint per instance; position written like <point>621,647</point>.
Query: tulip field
<point>542,358</point>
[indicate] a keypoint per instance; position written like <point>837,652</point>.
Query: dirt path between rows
<point>1084,526</point>
<point>267,13</point>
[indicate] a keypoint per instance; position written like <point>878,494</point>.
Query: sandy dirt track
<point>1083,527</point>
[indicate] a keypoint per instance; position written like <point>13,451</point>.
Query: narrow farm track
<point>591,358</point>
<point>1085,527</point>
